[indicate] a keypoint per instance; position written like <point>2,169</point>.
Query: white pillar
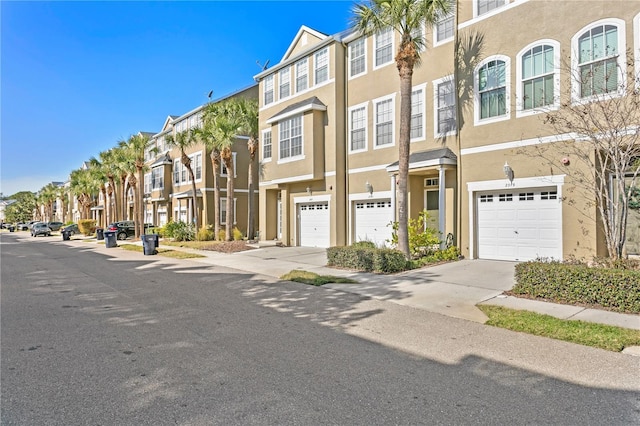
<point>393,198</point>
<point>441,206</point>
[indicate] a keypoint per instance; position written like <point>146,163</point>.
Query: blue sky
<point>77,77</point>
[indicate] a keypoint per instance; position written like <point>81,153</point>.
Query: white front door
<point>314,224</point>
<point>373,221</point>
<point>519,224</point>
<point>432,206</point>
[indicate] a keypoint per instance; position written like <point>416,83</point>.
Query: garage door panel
<point>372,221</point>
<point>522,225</point>
<point>314,224</point>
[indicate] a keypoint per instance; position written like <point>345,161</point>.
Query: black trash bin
<point>12,228</point>
<point>99,234</point>
<point>66,235</point>
<point>110,239</point>
<point>149,244</point>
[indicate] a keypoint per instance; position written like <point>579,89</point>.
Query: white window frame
<point>376,48</point>
<point>284,82</point>
<point>264,139</point>
<point>291,158</point>
<point>223,167</point>
<point>476,78</point>
<point>177,169</point>
<point>365,107</point>
<point>362,40</point>
<point>317,68</point>
<point>520,112</point>
<point>621,61</point>
<point>223,202</point>
<point>476,7</point>
<point>450,17</point>
<point>160,178</point>
<point>375,103</point>
<point>194,166</point>
<point>304,65</point>
<point>268,86</point>
<point>423,89</point>
<point>436,106</point>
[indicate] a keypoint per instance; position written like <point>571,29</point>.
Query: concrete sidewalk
<point>453,289</point>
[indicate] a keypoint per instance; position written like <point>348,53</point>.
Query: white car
<point>40,228</point>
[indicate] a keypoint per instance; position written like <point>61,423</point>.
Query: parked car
<point>30,224</point>
<point>73,229</point>
<point>22,226</point>
<point>55,226</point>
<point>125,228</point>
<point>40,228</point>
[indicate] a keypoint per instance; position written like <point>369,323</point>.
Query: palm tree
<point>62,194</point>
<point>251,128</point>
<point>136,147</point>
<point>109,160</point>
<point>226,119</point>
<point>84,187</point>
<point>46,197</point>
<point>206,135</point>
<point>184,140</point>
<point>406,17</point>
<point>99,172</point>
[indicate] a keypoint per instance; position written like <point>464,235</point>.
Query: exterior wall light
<point>508,171</point>
<point>369,188</point>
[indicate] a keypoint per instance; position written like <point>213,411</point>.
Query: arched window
<point>598,51</point>
<point>537,77</point>
<point>492,84</point>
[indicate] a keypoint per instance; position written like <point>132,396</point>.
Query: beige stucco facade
<point>342,182</point>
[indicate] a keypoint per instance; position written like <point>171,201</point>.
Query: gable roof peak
<point>301,32</point>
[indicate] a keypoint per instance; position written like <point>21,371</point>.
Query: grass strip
<point>176,254</point>
<point>601,336</point>
<point>312,278</point>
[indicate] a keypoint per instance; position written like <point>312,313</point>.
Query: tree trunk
<point>186,161</point>
<point>215,162</point>
<point>250,221</point>
<point>406,74</point>
<point>138,203</point>
<point>230,194</point>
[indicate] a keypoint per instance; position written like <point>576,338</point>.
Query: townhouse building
<point>329,120</point>
<point>167,184</point>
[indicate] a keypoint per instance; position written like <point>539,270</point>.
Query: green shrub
<point>389,261</point>
<point>222,235</point>
<point>423,241</point>
<point>180,231</point>
<point>237,234</point>
<point>205,234</point>
<point>364,244</point>
<point>87,226</point>
<point>578,283</point>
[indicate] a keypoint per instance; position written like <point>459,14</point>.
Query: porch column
<point>442,207</point>
<point>393,198</point>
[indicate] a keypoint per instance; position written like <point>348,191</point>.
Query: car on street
<point>125,228</point>
<point>40,228</point>
<point>55,226</point>
<point>72,229</point>
<point>22,226</point>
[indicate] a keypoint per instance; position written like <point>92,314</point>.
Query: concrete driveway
<point>451,289</point>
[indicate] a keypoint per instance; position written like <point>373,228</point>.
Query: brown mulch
<point>229,247</point>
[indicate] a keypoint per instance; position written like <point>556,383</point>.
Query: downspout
<point>346,143</point>
<point>456,83</point>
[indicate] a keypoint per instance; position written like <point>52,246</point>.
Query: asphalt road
<point>96,336</point>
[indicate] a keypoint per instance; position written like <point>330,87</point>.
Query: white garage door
<point>371,220</point>
<point>314,224</point>
<point>519,225</point>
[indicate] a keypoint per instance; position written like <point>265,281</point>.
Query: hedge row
<point>368,259</point>
<point>614,289</point>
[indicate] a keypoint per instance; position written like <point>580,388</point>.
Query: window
<point>417,113</point>
<point>486,6</point>
<point>291,137</point>
<point>384,122</point>
<point>383,47</point>
<point>357,58</point>
<point>505,197</point>
<point>268,90</point>
<point>157,178</point>
<point>176,172</point>
<point>285,85</point>
<point>321,61</point>
<point>598,60</point>
<point>538,76</point>
<point>147,185</point>
<point>492,89</point>
<point>223,167</point>
<point>444,28</point>
<point>196,166</point>
<point>525,196</point>
<point>445,107</point>
<point>266,144</point>
<point>223,211</point>
<point>302,72</point>
<point>358,128</point>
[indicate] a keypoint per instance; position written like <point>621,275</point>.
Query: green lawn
<point>584,333</point>
<point>312,278</point>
